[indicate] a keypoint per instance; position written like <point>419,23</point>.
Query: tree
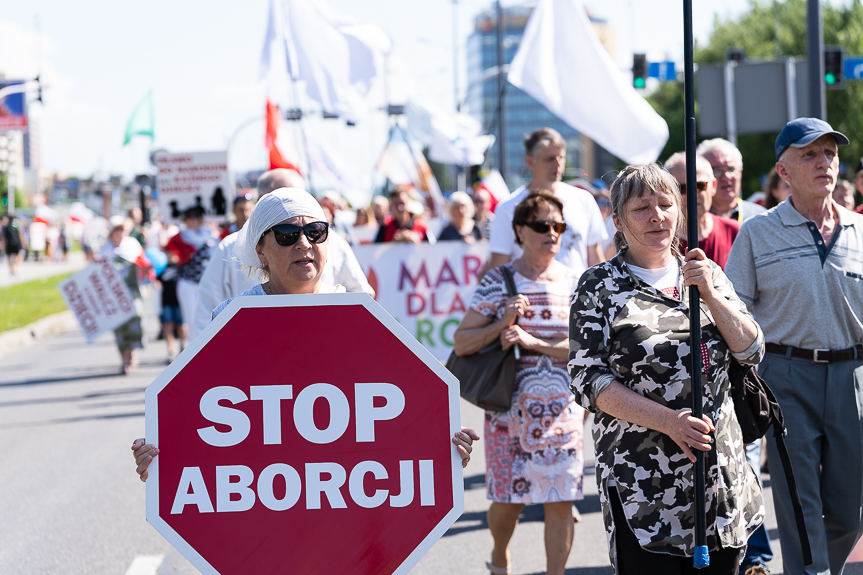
<point>771,30</point>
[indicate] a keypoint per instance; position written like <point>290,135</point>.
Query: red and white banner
<point>99,299</point>
<point>426,287</point>
<point>195,179</point>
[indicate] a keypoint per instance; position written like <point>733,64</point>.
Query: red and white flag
<point>274,121</point>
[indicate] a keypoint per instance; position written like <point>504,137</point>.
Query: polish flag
<point>274,120</point>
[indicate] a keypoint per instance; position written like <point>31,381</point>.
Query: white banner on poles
<point>426,287</point>
<point>99,299</point>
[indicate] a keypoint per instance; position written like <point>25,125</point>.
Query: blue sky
<point>200,59</point>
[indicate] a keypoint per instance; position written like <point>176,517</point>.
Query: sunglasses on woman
<point>542,227</point>
<point>289,234</point>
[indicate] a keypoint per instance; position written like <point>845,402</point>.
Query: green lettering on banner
<point>447,341</point>
<point>424,330</point>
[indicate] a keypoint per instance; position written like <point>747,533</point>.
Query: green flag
<point>141,122</point>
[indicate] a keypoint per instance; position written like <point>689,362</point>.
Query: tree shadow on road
<point>73,398</point>
<point>64,420</point>
<point>584,571</point>
<point>64,379</point>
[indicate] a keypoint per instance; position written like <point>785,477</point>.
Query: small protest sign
<point>99,299</point>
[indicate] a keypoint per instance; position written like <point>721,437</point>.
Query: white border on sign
<point>151,411</point>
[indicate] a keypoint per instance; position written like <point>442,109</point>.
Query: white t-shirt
<point>585,226</point>
<point>660,278</point>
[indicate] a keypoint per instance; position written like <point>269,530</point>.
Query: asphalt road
<point>72,504</point>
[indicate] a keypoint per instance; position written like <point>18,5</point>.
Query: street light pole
<point>815,59</point>
<point>501,84</point>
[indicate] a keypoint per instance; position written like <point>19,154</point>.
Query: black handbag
<point>757,409</point>
<point>487,377</point>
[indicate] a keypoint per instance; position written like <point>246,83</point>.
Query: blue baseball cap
<point>801,132</point>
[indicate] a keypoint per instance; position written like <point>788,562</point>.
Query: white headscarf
<point>273,208</point>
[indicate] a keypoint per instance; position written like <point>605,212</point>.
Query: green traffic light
<point>638,82</point>
<point>830,78</point>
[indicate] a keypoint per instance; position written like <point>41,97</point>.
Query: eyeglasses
<point>720,171</point>
<point>543,227</point>
<point>700,186</point>
<point>289,234</point>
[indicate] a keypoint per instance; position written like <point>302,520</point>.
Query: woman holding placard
<point>285,242</point>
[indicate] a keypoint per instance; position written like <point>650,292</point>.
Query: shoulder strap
<point>794,494</point>
<point>509,280</point>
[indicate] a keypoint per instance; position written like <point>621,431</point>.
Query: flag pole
<point>303,136</point>
<point>702,556</point>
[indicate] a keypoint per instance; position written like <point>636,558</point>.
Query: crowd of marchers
<point>602,276</point>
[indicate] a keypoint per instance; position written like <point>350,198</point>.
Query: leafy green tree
<point>767,31</point>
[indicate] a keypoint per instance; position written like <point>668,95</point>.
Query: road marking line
<point>145,565</point>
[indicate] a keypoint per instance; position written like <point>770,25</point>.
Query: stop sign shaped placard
<point>304,434</point>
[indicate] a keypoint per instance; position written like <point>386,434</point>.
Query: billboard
<point>13,108</point>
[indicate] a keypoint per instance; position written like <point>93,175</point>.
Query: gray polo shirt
<point>802,293</point>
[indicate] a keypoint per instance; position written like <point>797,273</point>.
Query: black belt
<point>817,355</point>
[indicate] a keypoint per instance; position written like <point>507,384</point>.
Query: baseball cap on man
<point>801,132</point>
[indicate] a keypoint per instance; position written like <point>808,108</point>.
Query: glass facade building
<point>522,113</point>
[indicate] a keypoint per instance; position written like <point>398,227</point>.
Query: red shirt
<point>181,249</point>
<point>390,227</point>
<point>717,245</point>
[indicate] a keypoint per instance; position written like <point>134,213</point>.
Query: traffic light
<point>834,60</point>
<point>639,70</point>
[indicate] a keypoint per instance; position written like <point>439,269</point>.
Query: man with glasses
<point>715,233</point>
<point>799,269</point>
<point>727,163</point>
<point>581,244</point>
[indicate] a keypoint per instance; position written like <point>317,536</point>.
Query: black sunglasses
<point>543,227</point>
<point>289,234</point>
<point>700,186</point>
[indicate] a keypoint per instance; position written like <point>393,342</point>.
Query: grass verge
<point>24,303</point>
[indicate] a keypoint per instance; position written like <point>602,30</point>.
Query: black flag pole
<point>702,557</point>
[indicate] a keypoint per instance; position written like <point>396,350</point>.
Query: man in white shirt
<point>581,245</point>
<point>224,278</point>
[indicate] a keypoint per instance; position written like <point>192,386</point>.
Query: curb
<point>15,339</point>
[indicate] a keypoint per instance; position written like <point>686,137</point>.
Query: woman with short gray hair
<point>629,356</point>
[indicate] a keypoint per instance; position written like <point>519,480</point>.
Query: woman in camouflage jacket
<point>629,361</point>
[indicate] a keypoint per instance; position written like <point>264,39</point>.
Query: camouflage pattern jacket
<point>623,329</point>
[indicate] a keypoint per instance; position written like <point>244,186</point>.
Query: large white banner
<point>426,287</point>
<point>195,179</point>
<point>98,298</point>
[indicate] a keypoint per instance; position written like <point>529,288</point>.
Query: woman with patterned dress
<point>534,452</point>
<point>630,358</point>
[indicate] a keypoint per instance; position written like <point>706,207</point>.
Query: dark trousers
<point>632,559</point>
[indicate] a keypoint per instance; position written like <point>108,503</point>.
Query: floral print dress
<point>534,453</point>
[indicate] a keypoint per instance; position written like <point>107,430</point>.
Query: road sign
<point>304,434</point>
<point>664,71</point>
<point>853,68</point>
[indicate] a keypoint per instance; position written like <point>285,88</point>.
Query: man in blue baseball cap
<point>799,269</point>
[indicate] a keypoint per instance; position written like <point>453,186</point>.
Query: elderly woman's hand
<point>463,440</point>
<point>688,432</point>
<point>144,454</point>
<point>515,306</point>
<point>514,335</point>
<point>698,271</point>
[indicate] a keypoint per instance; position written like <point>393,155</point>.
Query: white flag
<point>337,59</point>
<point>562,63</point>
<point>452,138</point>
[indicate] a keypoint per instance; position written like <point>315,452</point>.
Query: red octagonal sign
<point>304,434</point>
